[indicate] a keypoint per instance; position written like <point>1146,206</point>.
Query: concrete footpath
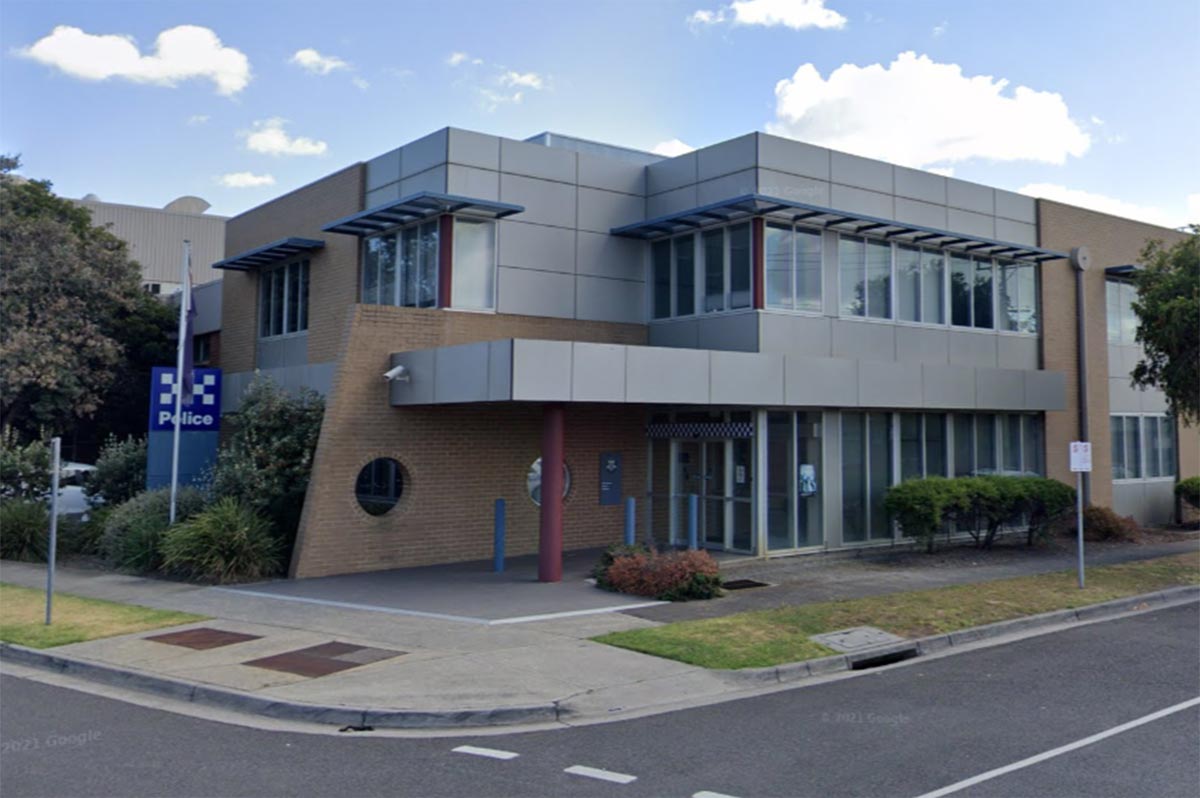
<point>353,663</point>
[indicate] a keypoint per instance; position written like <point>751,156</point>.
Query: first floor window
<point>660,257</point>
<point>1122,321</point>
<point>793,264</point>
<point>1017,296</point>
<point>473,276</point>
<point>283,299</point>
<point>401,268</point>
<point>865,269</point>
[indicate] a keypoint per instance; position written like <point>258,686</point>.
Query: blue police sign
<point>204,412</point>
<point>610,477</point>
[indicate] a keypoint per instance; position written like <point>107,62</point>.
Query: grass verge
<point>76,619</point>
<point>772,637</point>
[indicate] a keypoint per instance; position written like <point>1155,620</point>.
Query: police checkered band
<point>203,389</point>
<point>737,429</point>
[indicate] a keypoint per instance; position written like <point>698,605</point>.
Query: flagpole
<point>184,301</point>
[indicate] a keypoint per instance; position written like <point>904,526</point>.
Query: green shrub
<point>922,506</point>
<point>673,576</point>
<point>120,471</point>
<point>134,530</point>
<point>1188,490</point>
<point>228,542</point>
<point>24,528</point>
<point>268,458</point>
<point>600,570</point>
<point>1046,501</point>
<point>24,469</point>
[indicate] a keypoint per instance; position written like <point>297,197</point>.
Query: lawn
<point>23,615</point>
<point>771,637</point>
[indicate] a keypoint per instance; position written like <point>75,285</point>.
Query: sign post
<point>1081,463</point>
<point>52,544</point>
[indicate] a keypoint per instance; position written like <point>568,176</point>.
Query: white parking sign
<point>1081,456</point>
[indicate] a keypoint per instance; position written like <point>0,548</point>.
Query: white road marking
<point>490,753</point>
<point>1062,749</point>
<point>574,613</point>
<point>603,775</point>
<point>707,794</point>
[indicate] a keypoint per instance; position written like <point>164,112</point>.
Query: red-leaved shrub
<point>674,576</point>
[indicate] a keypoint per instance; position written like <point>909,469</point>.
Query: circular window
<point>533,481</point>
<point>379,485</point>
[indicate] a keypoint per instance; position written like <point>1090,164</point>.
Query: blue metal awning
<point>274,252</point>
<point>415,207</point>
<point>749,205</point>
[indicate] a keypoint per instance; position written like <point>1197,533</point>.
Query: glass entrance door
<point>718,473</point>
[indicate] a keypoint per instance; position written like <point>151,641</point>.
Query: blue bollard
<point>693,521</point>
<point>630,520</point>
<point>498,538</point>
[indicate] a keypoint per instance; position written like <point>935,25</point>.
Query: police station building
<point>779,329</point>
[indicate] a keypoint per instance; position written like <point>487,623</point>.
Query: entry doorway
<point>720,474</point>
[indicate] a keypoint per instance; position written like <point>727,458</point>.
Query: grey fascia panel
<point>598,372</point>
<point>820,382</point>
<point>500,378</point>
<point>461,373</point>
<point>882,384</point>
<point>541,370</point>
<point>1045,390</point>
<point>745,378</point>
<point>999,389</point>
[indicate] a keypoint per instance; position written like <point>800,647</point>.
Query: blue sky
<point>1090,101</point>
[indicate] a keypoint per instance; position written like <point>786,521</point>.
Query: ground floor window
<point>998,443</point>
<point>866,475</point>
<point>1143,446</point>
<point>794,480</point>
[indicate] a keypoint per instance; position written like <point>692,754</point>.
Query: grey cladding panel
<point>680,199</point>
<point>534,293</point>
<point>746,379</point>
<point>922,213</point>
<point>598,373</point>
<point>730,332</point>
<point>424,153</point>
<point>794,157</point>
<point>276,353</point>
<point>666,376</point>
<point>973,349</point>
<point>922,345</point>
<point>976,224</point>
<point>461,373</point>
<point>786,332</point>
<point>864,340</point>
<point>536,160</point>
<point>970,196</point>
<point>602,299</point>
<point>671,174</point>
<point>1017,207</point>
<point>383,169</point>
<point>722,188</point>
<point>545,202</point>
<point>1045,390</point>
<point>474,149</point>
<point>820,382</point>
<point>920,185</point>
<point>469,181</point>
<point>600,211</point>
<point>684,334</point>
<point>858,200</point>
<point>948,387</point>
<point>793,187</point>
<point>430,180</point>
<point>606,255</point>
<point>535,246</point>
<point>999,389</point>
<point>611,174</point>
<point>1016,232</point>
<point>1017,351</point>
<point>851,170</point>
<point>541,370</point>
<point>727,157</point>
<point>889,385</point>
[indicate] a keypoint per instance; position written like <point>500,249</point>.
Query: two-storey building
<point>778,329</point>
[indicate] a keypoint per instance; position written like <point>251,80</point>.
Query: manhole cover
<point>743,584</point>
<point>856,639</point>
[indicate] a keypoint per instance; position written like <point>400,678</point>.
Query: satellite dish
<point>187,204</point>
<point>1081,259</point>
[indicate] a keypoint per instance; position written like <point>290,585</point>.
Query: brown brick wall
<point>1112,241</point>
<point>458,459</point>
<point>333,272</point>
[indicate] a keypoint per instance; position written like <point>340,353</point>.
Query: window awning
<point>748,205</point>
<point>416,207</point>
<point>1128,270</point>
<point>274,252</point>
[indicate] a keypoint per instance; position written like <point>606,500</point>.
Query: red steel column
<point>445,259</point>
<point>758,261</point>
<point>550,534</point>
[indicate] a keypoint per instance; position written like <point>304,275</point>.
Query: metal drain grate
<point>743,584</point>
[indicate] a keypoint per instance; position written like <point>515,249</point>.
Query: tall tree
<point>62,283</point>
<point>1168,311</point>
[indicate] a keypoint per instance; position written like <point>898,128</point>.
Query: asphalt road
<point>902,731</point>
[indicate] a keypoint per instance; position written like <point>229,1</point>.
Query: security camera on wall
<point>397,374</point>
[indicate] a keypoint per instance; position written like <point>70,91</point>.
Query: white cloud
<point>180,53</point>
<point>918,112</point>
<point>529,80</point>
<point>197,119</point>
<point>944,171</point>
<point>460,58</point>
<point>794,14</point>
<point>360,83</point>
<point>1097,120</point>
<point>245,180</point>
<point>941,28</point>
<point>671,147</point>
<point>269,137</point>
<point>312,61</point>
<point>1105,204</point>
<point>491,99</point>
